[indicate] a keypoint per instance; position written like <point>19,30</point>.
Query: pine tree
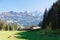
<point>44,22</point>
<point>53,16</point>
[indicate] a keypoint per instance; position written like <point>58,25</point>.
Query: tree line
<point>7,26</point>
<point>52,16</point>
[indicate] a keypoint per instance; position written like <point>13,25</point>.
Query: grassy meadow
<point>28,35</point>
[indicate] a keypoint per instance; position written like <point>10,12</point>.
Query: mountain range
<point>25,18</point>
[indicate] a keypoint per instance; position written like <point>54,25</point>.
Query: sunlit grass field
<point>5,34</point>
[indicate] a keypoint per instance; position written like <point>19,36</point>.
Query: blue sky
<point>25,5</point>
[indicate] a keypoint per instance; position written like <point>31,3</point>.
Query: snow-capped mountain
<point>25,18</point>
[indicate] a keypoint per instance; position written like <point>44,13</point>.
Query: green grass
<point>38,35</point>
<point>29,35</point>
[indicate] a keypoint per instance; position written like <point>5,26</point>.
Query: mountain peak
<point>26,18</point>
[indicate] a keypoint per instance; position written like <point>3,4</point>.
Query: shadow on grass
<point>37,35</point>
<point>30,35</point>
